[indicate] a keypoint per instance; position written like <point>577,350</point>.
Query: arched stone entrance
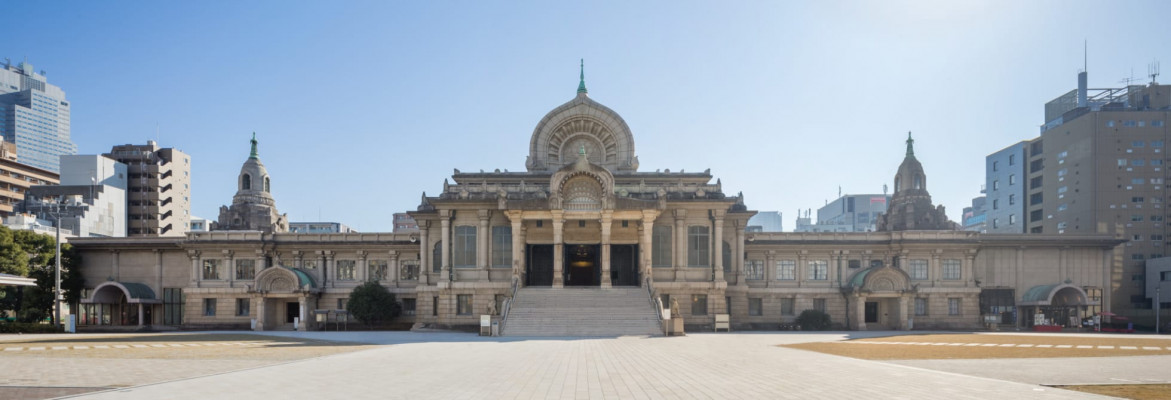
<point>878,298</point>
<point>1061,305</point>
<point>120,303</point>
<point>285,298</point>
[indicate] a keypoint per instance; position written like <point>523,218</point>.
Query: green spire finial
<point>910,145</point>
<point>254,153</point>
<point>581,85</point>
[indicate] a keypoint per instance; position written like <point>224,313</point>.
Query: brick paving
<point>700,366</point>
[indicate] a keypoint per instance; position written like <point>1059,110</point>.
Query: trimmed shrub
<point>813,320</point>
<point>24,327</point>
<point>371,304</point>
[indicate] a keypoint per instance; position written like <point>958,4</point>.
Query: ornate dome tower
<point>253,207</point>
<point>910,205</point>
<point>577,124</point>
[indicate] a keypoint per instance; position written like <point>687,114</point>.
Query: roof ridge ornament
<point>910,145</point>
<point>581,88</point>
<point>255,154</point>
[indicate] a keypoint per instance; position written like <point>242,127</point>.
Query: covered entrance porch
<point>879,298</point>
<point>584,265</point>
<point>284,297</point>
<point>1058,305</point>
<point>119,303</point>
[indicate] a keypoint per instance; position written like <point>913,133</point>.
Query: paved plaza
<point>463,366</point>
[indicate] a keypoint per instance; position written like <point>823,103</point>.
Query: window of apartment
<point>243,307</point>
<point>464,249</point>
<point>1138,162</point>
<point>787,306</point>
<point>995,223</point>
<point>1122,162</point>
<point>995,204</point>
<point>754,270</point>
<point>1136,256</point>
<point>918,269</point>
<point>1011,199</point>
<point>1062,225</point>
<point>1137,143</point>
<point>1156,162</point>
<point>1011,179</point>
<point>463,304</point>
<point>1037,165</point>
<point>409,306</point>
<point>1157,122</point>
<point>245,269</point>
<point>1136,218</point>
<point>699,304</point>
<point>953,306</point>
<point>1129,123</point>
<point>1012,219</point>
<point>920,306</point>
<point>1156,237</point>
<point>661,246</point>
<point>1156,218</point>
<point>952,269</point>
<point>1035,183</point>
<point>1062,206</point>
<point>995,166</point>
<point>211,269</point>
<point>755,307</point>
<point>1137,181</point>
<point>1036,198</point>
<point>786,270</point>
<point>819,304</point>
<point>1157,181</point>
<point>502,247</point>
<point>698,247</point>
<point>1062,155</point>
<point>996,185</point>
<point>345,270</point>
<point>818,270</point>
<point>209,307</point>
<point>1062,172</point>
<point>378,269</point>
<point>1012,159</point>
<point>1110,123</point>
<point>1136,199</point>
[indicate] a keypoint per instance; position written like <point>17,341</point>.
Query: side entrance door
<point>871,312</point>
<point>292,310</point>
<point>539,265</point>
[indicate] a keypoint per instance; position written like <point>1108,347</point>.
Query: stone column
<point>140,315</point>
<point>393,274</point>
<point>646,243</point>
<point>770,268</point>
<point>606,220</point>
<point>327,268</point>
<point>858,314</point>
<point>363,266</point>
<point>482,236</point>
<point>680,242</point>
<point>260,312</point>
<point>425,261</point>
<point>260,260</point>
<point>445,239</point>
<point>936,268</point>
<point>967,269</point>
<point>738,254</point>
<point>718,264</point>
<point>517,242</point>
<point>802,271</point>
<point>302,304</point>
<point>558,249</point>
<point>902,313</point>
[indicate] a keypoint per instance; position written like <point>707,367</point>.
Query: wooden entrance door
<point>539,266</point>
<point>624,265</point>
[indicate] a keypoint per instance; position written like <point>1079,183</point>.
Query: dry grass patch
<point>1138,392</point>
<point>875,351</point>
<point>181,346</point>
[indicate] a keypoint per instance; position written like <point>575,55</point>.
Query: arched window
<point>918,181</point>
<point>897,181</point>
<point>266,184</point>
<point>245,182</point>
<point>727,257</point>
<point>582,193</point>
<point>437,257</point>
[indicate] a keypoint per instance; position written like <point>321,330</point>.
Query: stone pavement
<point>463,366</point>
<point>1059,371</point>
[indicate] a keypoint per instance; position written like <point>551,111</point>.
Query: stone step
<point>547,312</point>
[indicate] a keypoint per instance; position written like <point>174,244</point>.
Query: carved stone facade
<point>584,215</point>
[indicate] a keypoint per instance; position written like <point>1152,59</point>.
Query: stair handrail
<point>508,304</point>
<point>655,301</point>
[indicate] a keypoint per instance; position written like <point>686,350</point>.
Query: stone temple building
<point>583,242</point>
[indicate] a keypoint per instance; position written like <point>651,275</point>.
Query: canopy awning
<point>109,293</point>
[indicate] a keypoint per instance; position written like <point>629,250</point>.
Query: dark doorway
<point>871,312</point>
<point>624,265</point>
<point>582,265</point>
<point>292,310</point>
<point>539,266</point>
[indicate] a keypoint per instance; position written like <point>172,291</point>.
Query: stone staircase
<point>582,312</point>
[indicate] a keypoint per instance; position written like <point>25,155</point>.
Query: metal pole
<point>1157,287</point>
<point>57,274</point>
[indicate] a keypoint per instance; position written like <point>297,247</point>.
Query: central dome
<point>582,123</point>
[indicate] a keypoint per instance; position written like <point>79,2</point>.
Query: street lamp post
<point>57,213</point>
<point>1157,287</point>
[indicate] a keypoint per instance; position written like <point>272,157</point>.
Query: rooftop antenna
<point>1153,70</point>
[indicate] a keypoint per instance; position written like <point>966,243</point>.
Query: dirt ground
<point>920,347</point>
<point>1137,392</point>
<point>180,346</point>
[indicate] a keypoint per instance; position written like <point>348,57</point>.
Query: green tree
<point>33,255</point>
<point>371,304</point>
<point>813,320</point>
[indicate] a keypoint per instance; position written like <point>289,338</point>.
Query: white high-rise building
<point>35,116</point>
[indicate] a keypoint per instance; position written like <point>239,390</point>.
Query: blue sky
<point>361,106</point>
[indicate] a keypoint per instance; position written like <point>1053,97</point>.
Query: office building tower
<point>35,116</point>
<point>159,186</point>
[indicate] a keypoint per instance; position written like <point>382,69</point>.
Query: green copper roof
<point>859,278</point>
<point>581,85</point>
<point>303,278</point>
<point>138,291</point>
<point>254,153</point>
<point>910,145</point>
<point>1038,293</point>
